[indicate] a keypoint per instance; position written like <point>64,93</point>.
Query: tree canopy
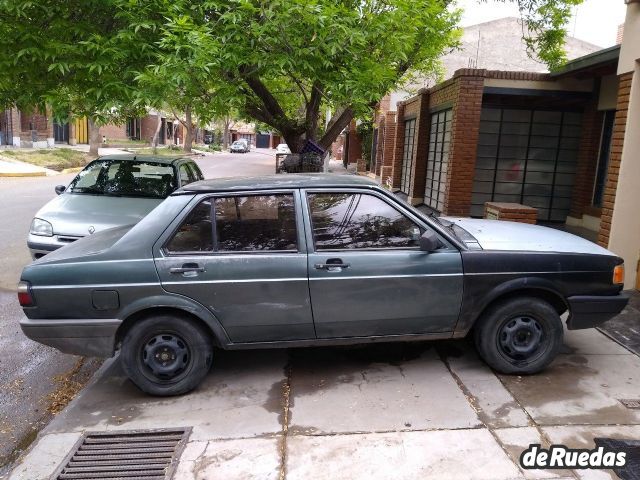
<point>281,62</point>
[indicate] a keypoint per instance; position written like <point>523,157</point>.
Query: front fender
<point>479,293</point>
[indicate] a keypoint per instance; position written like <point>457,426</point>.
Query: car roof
<point>271,182</point>
<point>164,159</point>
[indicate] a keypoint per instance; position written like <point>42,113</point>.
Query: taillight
<point>25,297</point>
<point>618,274</point>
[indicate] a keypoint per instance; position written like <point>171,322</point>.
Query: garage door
<point>529,157</point>
<point>262,140</point>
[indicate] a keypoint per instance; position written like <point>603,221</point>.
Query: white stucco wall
<point>625,224</point>
<point>630,51</point>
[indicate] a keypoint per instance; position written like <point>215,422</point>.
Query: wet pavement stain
<point>567,393</point>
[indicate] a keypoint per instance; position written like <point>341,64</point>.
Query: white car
<point>240,146</point>
<point>283,148</point>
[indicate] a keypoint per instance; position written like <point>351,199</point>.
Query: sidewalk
<point>402,411</point>
<point>15,168</point>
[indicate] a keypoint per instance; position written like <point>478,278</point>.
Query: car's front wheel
<point>519,336</point>
<point>166,355</point>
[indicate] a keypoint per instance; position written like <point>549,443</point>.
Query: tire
<point>519,336</point>
<point>187,349</point>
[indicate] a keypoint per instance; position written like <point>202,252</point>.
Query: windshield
<point>125,178</point>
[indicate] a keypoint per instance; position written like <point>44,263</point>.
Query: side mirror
<point>429,241</point>
<point>60,189</point>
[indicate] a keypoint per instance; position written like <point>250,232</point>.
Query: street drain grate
<point>130,455</point>
<point>631,403</point>
<point>631,470</point>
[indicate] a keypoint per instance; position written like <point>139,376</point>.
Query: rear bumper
<point>93,338</point>
<point>591,311</point>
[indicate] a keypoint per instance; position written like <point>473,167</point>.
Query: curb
<point>71,170</point>
<point>23,174</point>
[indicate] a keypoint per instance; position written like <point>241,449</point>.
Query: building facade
<point>561,142</point>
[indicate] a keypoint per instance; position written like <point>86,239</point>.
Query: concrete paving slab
<point>244,459</point>
<point>45,457</point>
<point>583,437</point>
<point>493,403</point>
<point>517,440</point>
<point>239,398</point>
<point>450,454</point>
<point>591,342</point>
<point>376,388</point>
<point>580,389</point>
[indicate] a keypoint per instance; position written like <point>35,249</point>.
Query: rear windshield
<point>125,178</point>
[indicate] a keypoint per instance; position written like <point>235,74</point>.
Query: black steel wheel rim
<point>521,339</point>
<point>165,357</point>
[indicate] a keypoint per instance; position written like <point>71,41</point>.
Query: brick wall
<point>37,121</point>
<point>355,144</point>
<point>148,126</point>
<point>114,132</point>
<point>587,161</point>
<point>420,150</point>
<point>467,105</point>
<point>463,93</point>
<point>379,154</point>
<point>386,171</point>
<point>398,148</point>
<point>619,127</point>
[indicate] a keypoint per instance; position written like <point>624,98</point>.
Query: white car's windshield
<point>125,178</point>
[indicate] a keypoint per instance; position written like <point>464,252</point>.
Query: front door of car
<point>249,266</point>
<point>367,274</point>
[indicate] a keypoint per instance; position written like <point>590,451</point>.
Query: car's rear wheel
<point>166,355</point>
<point>519,336</point>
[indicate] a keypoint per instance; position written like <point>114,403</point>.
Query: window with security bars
<point>527,156</point>
<point>407,157</point>
<point>438,159</point>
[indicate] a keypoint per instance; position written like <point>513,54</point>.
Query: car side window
<point>186,177</point>
<point>197,173</point>
<point>195,234</point>
<point>256,223</point>
<point>342,221</point>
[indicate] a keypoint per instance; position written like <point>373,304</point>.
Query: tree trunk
<point>156,135</point>
<point>225,134</point>
<point>94,138</point>
<point>188,133</point>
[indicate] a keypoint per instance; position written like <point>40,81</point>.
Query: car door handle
<point>331,266</point>
<point>187,267</point>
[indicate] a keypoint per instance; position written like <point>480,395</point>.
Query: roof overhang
<point>589,63</point>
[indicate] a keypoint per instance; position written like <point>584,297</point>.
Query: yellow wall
<point>82,130</point>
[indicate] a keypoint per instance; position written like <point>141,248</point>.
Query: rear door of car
<point>367,275</point>
<point>249,266</point>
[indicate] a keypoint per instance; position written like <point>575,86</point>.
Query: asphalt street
<point>35,378</point>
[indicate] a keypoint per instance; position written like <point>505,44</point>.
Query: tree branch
<point>270,103</point>
<point>313,108</point>
<point>336,125</point>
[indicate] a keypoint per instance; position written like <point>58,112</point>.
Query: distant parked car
<point>240,146</point>
<point>304,260</point>
<point>111,191</point>
<point>283,148</point>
